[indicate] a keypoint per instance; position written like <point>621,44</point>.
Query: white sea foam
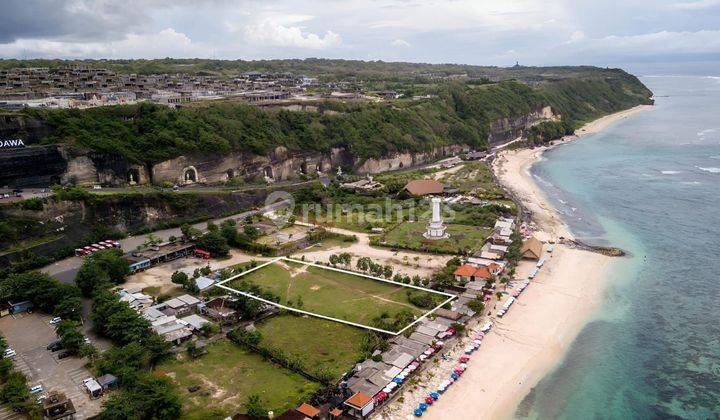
<point>712,170</point>
<point>670,172</point>
<point>705,132</point>
<point>715,157</point>
<point>691,182</point>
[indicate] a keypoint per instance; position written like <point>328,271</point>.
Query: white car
<point>87,340</point>
<point>55,320</point>
<point>36,389</point>
<point>9,353</point>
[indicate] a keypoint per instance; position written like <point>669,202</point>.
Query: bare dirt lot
<point>28,335</point>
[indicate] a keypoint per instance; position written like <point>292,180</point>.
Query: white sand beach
<point>535,334</point>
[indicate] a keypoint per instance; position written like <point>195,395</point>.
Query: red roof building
<point>482,273</point>
<point>465,270</point>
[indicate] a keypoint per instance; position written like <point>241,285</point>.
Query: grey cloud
<point>68,20</point>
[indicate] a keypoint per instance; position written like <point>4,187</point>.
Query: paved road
<point>65,270</point>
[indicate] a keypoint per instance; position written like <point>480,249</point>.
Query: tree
<point>179,278</point>
<point>6,365</point>
<point>387,271</point>
<point>189,232</point>
<point>345,258</point>
<point>69,308</point>
<point>15,391</point>
<point>113,262</point>
<point>209,329</point>
<point>254,408</point>
<point>477,305</point>
<point>251,231</point>
<point>71,338</point>
<point>125,362</point>
<point>157,346</point>
<point>150,397</point>
<point>91,277</point>
<point>214,243</point>
<point>127,326</point>
<point>229,232</point>
<point>194,351</point>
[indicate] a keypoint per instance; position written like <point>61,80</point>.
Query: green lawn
<point>338,295</point>
<point>323,346</point>
<point>227,375</point>
<point>409,235</point>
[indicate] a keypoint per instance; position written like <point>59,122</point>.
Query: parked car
<point>63,354</point>
<point>55,320</point>
<point>87,340</point>
<point>9,354</point>
<point>54,346</point>
<point>36,389</point>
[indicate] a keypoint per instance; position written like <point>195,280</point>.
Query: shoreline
<point>534,336</point>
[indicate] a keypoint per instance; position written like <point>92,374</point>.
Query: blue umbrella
<point>418,412</point>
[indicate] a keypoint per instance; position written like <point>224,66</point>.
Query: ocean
<point>649,184</point>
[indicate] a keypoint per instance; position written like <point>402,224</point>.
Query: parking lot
<point>28,335</point>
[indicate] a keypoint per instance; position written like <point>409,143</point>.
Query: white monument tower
<point>436,228</point>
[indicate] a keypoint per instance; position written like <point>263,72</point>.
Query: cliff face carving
<point>406,160</point>
<point>41,166</point>
<point>506,129</point>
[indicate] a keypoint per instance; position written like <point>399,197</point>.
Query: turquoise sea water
<point>651,185</point>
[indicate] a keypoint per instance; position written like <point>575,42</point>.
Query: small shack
<point>24,306</point>
<point>360,405</point>
<point>107,382</point>
<point>531,249</point>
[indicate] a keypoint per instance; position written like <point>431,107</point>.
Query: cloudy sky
<point>495,32</point>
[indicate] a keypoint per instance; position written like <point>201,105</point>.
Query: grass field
<point>227,375</point>
<point>409,235</point>
<point>323,346</point>
<point>339,295</point>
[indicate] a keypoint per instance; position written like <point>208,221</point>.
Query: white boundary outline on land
<point>354,324</point>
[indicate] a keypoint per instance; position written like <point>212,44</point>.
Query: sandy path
<point>533,337</point>
<point>403,261</point>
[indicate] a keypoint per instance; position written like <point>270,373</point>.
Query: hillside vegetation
<point>460,114</point>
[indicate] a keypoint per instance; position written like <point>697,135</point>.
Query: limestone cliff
<point>41,166</point>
